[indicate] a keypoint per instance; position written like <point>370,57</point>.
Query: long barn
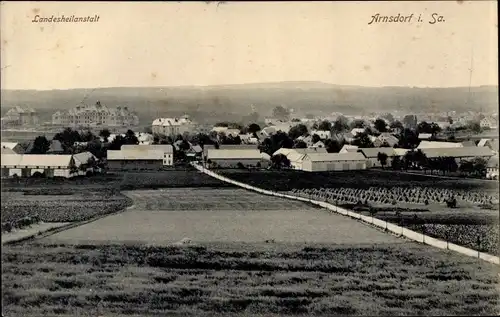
<point>320,162</point>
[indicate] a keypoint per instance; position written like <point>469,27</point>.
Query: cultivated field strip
<point>208,199</point>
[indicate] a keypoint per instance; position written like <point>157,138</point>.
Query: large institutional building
<point>19,116</point>
<point>96,115</point>
<point>173,126</point>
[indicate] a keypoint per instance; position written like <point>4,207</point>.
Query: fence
<point>401,231</point>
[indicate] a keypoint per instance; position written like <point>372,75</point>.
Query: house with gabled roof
<point>26,165</point>
<point>141,157</point>
<point>372,155</point>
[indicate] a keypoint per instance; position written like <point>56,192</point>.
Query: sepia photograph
<point>229,158</point>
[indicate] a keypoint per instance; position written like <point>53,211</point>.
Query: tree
<point>281,113</point>
<point>297,130</point>
<point>105,134</point>
<point>396,125</point>
<point>408,139</point>
<point>117,143</point>
<point>396,163</point>
<point>358,124</point>
<point>382,158</point>
<point>253,128</point>
<point>87,136</point>
<point>315,138</point>
<point>381,125</point>
<point>131,138</point>
<point>275,142</point>
<point>299,144</point>
<point>333,146</point>
<point>340,125</point>
<point>325,126</point>
<point>474,127</point>
<point>362,140</point>
<point>68,137</point>
<point>40,145</point>
<point>479,166</point>
<point>450,120</point>
<point>279,161</point>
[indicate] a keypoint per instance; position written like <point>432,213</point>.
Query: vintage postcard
<point>249,158</point>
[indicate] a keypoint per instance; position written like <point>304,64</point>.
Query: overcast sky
<point>174,44</point>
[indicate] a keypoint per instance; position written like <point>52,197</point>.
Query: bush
<point>6,227</point>
<point>38,175</point>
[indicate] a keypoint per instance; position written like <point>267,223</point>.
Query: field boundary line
<point>400,231</point>
<point>52,231</point>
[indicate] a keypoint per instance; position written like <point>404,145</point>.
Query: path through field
<point>221,215</point>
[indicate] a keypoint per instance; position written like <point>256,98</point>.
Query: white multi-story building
<point>96,115</point>
<point>173,126</point>
<point>19,116</point>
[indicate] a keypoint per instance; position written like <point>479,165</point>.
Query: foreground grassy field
<point>220,215</point>
<point>245,279</point>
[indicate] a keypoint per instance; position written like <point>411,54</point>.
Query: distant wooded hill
<point>231,102</point>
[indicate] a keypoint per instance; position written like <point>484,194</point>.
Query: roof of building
<point>55,147</point>
<point>437,145</point>
<point>171,121</point>
<point>163,148</point>
<point>357,130</point>
<point>458,152</point>
<point>483,142</point>
<point>468,143</point>
<point>83,158</point>
<point>373,152</point>
<point>331,157</point>
<point>45,160</point>
<point>492,162</point>
<point>400,152</point>
<point>424,136</point>
<point>6,150</point>
<point>220,154</point>
<point>9,145</point>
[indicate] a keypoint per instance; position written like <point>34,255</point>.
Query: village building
<point>357,131</point>
<point>459,153</point>
<point>26,165</point>
<point>492,144</point>
<point>387,138</point>
<point>319,144</point>
<point>173,126</point>
<point>372,156</point>
<point>83,162</point>
<point>347,137</point>
<point>236,158</point>
<point>17,148</point>
<point>322,134</point>
<point>424,136</point>
<point>20,116</point>
<point>468,143</point>
<point>95,116</point>
<point>249,138</point>
<point>492,168</point>
<point>319,162</point>
<point>348,148</point>
<point>141,157</point>
<point>438,145</point>
<point>295,156</point>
